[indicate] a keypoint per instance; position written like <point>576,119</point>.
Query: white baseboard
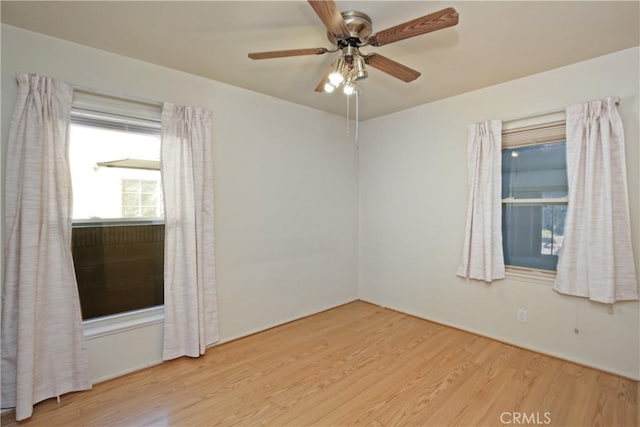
<point>524,346</point>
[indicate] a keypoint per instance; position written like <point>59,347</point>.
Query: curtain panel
<point>43,349</point>
<point>596,260</point>
<point>482,256</point>
<point>190,301</point>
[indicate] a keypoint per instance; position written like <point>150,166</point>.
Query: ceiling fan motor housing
<point>360,28</point>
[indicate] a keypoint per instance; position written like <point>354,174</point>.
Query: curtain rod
<point>92,91</point>
<point>547,112</point>
<point>533,115</point>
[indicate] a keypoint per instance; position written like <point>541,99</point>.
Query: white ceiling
<point>493,42</point>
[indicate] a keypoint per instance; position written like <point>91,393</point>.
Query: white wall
<point>413,195</point>
<point>285,192</point>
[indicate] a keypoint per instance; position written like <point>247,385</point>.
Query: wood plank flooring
<point>357,364</point>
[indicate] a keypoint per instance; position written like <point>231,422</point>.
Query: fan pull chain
<point>348,115</point>
<point>357,135</point>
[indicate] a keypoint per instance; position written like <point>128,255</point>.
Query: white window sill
<point>108,325</point>
<point>530,275</point>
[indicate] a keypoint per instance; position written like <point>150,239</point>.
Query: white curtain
<point>482,257</point>
<point>190,302</point>
<point>596,260</point>
<point>43,349</point>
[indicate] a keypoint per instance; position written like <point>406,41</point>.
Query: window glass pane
<point>149,186</point>
<point>130,199</point>
<point>131,212</point>
<point>130,185</point>
<point>148,200</point>
<point>115,175</point>
<point>104,189</point>
<point>533,172</point>
<point>532,235</point>
<point>118,268</point>
<point>148,211</point>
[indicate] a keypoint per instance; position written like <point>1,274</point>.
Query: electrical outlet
<point>522,315</point>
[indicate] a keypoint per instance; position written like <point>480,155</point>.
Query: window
<point>118,212</point>
<point>534,195</point>
<point>140,198</point>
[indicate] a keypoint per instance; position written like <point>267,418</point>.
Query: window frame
<point>113,112</point>
<point>532,131</point>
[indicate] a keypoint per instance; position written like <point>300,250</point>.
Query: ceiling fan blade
<point>325,78</point>
<point>286,53</point>
<point>392,67</point>
<point>425,24</point>
<point>330,16</point>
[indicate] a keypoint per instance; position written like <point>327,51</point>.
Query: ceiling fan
<point>351,30</point>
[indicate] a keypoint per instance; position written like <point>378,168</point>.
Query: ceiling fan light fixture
<point>335,78</point>
<point>337,75</point>
<point>349,88</point>
<point>328,87</point>
<point>359,68</point>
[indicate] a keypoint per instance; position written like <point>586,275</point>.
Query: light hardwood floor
<point>357,364</point>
